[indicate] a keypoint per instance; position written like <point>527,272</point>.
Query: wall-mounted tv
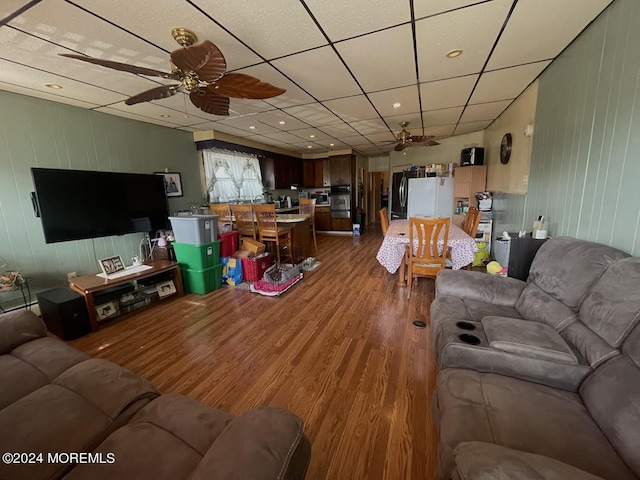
<point>80,204</point>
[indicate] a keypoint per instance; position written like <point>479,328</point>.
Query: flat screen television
<point>80,204</point>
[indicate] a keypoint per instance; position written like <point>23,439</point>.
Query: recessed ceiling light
<point>309,146</point>
<point>454,53</point>
<point>252,127</point>
<point>312,136</point>
<point>397,105</point>
<point>55,86</point>
<point>282,122</point>
<point>164,115</point>
<point>331,144</point>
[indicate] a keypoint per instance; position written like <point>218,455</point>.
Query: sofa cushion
<point>18,327</point>
<point>537,305</point>
<point>566,267</point>
<point>478,286</point>
<point>446,308</point>
<point>591,347</point>
<point>49,355</point>
<point>18,378</point>
<point>530,339</point>
<point>524,416</point>
<point>612,306</point>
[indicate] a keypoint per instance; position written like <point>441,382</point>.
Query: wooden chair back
<point>425,257</point>
<point>266,217</point>
<point>222,210</point>
<point>471,222</point>
<point>245,221</point>
<point>307,206</point>
<point>384,220</point>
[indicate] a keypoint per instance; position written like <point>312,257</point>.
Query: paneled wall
<point>35,132</point>
<point>585,167</point>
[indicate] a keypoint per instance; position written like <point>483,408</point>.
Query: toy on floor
<point>494,268</point>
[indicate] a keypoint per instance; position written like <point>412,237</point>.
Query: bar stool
<point>307,206</point>
<point>245,221</point>
<point>270,231</point>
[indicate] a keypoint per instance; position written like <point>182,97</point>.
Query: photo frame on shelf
<point>112,265</point>
<point>172,183</point>
<point>166,288</point>
<point>106,310</point>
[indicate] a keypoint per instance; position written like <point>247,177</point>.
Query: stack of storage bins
<point>198,252</point>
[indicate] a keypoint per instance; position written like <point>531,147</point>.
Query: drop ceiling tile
<point>45,95</point>
<point>366,127</point>
<point>484,111</point>
<point>314,114</point>
<point>356,140</point>
<point>321,72</point>
<point>475,32</point>
<point>507,83</point>
<point>245,123</point>
<point>35,79</point>
<point>332,143</point>
<point>414,119</point>
<point>382,137</point>
<point>440,131</point>
<point>306,133</point>
<point>10,6</point>
<point>274,117</point>
<point>273,28</point>
<point>152,110</point>
<point>266,140</point>
<point>304,146</point>
<point>428,8</point>
<point>406,96</point>
<point>338,130</point>
<point>395,66</point>
<point>179,102</point>
<point>352,108</point>
<point>339,22</point>
<point>445,116</point>
<point>558,23</point>
<point>452,92</point>
<point>284,137</point>
<point>242,107</point>
<point>471,127</point>
<point>220,126</point>
<point>166,15</point>
<point>134,116</point>
<point>294,95</point>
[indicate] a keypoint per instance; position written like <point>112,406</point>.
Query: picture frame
<point>106,310</point>
<point>111,265</point>
<point>172,183</point>
<point>165,289</point>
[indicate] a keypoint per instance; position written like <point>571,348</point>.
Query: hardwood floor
<point>338,349</point>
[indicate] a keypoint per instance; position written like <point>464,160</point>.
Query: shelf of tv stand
<point>88,285</point>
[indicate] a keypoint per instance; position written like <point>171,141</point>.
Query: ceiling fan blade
<point>153,94</point>
<point>123,67</point>
<point>210,102</point>
<point>400,146</point>
<point>203,58</point>
<point>427,140</point>
<point>239,85</point>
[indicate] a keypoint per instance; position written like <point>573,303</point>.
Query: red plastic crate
<point>253,268</point>
<point>229,244</point>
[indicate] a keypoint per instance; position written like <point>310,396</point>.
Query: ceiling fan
<point>405,139</point>
<point>200,69</point>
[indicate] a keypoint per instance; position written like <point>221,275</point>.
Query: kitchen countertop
<point>292,217</point>
<point>286,209</point>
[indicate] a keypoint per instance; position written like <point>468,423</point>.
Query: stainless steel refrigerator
<point>400,193</point>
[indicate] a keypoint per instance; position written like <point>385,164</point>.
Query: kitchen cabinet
<point>467,181</point>
<point>323,218</point>
<point>341,170</point>
<point>326,173</point>
<point>281,172</point>
<point>318,172</point>
<point>308,173</point>
<point>339,224</point>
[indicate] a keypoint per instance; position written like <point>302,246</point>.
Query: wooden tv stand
<point>87,285</point>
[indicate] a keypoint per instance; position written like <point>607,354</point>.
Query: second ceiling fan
<point>201,70</point>
<point>405,139</point>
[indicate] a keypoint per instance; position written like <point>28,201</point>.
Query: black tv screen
<point>80,204</point>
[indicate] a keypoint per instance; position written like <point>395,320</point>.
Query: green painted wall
<point>585,168</point>
<point>35,132</point>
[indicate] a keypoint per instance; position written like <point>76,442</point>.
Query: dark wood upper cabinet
<point>308,173</point>
<point>326,172</point>
<point>341,170</point>
<point>281,172</point>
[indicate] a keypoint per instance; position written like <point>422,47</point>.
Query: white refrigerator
<point>430,197</point>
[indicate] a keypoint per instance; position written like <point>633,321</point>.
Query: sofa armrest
<point>19,327</point>
<point>479,286</point>
<point>487,461</point>
<point>264,443</point>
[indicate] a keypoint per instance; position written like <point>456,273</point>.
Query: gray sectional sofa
<point>540,379</point>
<point>54,400</point>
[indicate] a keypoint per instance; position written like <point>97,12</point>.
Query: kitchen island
<point>301,233</point>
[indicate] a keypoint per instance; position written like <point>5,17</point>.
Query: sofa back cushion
<point>537,305</point>
<point>19,327</point>
<point>566,267</point>
<point>612,396</point>
<point>611,309</point>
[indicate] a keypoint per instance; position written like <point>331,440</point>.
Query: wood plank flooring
<point>338,349</point>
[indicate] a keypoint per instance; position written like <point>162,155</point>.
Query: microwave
<point>303,195</point>
<point>321,198</point>
<point>472,156</point>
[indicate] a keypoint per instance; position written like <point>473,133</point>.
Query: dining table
<point>392,252</point>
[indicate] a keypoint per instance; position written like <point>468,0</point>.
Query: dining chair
<point>425,260</point>
<point>307,206</point>
<point>384,220</point>
<point>245,221</point>
<point>270,231</point>
<point>223,211</point>
<point>471,222</point>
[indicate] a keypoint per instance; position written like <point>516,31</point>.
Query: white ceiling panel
<point>294,95</point>
<point>224,128</point>
<point>484,111</point>
<point>445,116</point>
<point>453,92</point>
<point>321,71</point>
<point>471,127</point>
<point>531,20</point>
<point>156,111</point>
<point>426,8</point>
<point>332,143</point>
<point>273,28</point>
<point>284,137</point>
<point>313,114</point>
<point>338,130</point>
<point>307,146</point>
<point>392,64</point>
<point>441,131</point>
<point>241,106</point>
<point>406,96</point>
<point>245,123</point>
<point>133,116</point>
<point>265,140</point>
<point>274,118</point>
<point>339,22</point>
<point>382,137</point>
<point>10,6</point>
<point>181,102</point>
<point>45,95</point>
<point>414,119</point>
<point>352,108</point>
<point>167,15</point>
<point>306,134</point>
<point>366,127</point>
<point>475,32</point>
<point>506,84</point>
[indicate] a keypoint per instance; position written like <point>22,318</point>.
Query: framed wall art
<point>172,183</point>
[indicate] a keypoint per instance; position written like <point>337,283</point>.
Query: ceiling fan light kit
<point>404,139</point>
<point>200,69</point>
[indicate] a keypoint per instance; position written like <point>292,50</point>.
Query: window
<point>231,176</point>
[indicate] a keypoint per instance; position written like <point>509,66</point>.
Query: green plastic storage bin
<point>202,281</point>
<point>197,257</point>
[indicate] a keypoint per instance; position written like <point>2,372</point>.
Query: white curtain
<point>231,175</point>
